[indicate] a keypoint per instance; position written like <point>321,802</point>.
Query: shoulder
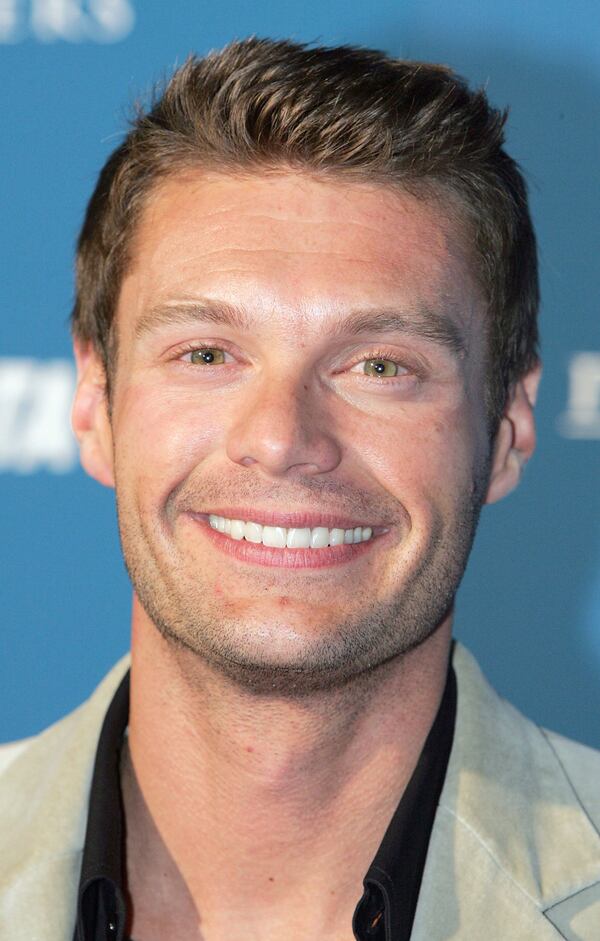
<point>510,749</point>
<point>73,731</point>
<point>529,801</point>
<point>581,767</point>
<point>44,788</point>
<point>11,750</point>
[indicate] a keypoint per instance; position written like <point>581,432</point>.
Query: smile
<point>281,537</point>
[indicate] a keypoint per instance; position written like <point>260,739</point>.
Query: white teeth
<point>237,529</point>
<point>298,538</point>
<point>278,537</point>
<point>253,532</point>
<point>319,538</point>
<point>274,536</point>
<point>336,537</point>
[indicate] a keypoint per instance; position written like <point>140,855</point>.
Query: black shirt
<point>391,886</point>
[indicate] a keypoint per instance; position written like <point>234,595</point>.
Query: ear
<point>515,439</point>
<point>90,419</point>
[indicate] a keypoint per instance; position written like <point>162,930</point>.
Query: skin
<point>273,700</point>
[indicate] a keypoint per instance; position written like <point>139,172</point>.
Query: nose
<point>283,428</point>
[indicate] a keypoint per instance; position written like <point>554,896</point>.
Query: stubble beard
<point>354,649</point>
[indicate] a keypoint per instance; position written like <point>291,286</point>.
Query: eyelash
<point>197,347</point>
<point>414,369</point>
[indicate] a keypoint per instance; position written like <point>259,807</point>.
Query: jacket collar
<point>510,840</point>
<point>43,801</point>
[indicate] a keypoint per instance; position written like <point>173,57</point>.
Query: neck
<point>224,785</point>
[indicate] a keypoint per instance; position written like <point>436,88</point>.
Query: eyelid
<point>180,351</point>
<point>403,369</point>
<point>411,364</point>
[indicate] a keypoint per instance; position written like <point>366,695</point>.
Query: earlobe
<point>89,418</point>
<point>515,438</point>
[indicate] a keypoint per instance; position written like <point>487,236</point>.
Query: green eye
<point>207,357</point>
<point>380,367</point>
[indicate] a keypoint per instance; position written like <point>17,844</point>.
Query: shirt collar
<point>387,908</point>
<point>391,884</point>
<point>102,910</point>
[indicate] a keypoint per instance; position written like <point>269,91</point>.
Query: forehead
<point>288,241</point>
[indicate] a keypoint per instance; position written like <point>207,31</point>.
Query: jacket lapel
<point>44,796</point>
<point>510,840</point>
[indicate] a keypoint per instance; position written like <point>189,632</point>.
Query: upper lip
<point>300,519</point>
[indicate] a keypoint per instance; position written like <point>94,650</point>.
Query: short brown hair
<point>269,105</point>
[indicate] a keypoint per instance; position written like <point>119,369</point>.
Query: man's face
<point>305,355</point>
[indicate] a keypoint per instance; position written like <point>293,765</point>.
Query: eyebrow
<point>424,322</point>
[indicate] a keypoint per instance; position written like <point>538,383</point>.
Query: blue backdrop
<point>530,604</point>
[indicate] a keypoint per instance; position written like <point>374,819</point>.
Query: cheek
<point>425,458</point>
<point>161,436</point>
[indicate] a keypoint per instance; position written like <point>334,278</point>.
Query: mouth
<point>307,541</point>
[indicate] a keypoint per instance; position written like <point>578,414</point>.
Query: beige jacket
<point>514,851</point>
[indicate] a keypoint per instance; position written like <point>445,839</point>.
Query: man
<point>305,330</point>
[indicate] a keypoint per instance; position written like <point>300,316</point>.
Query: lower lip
<point>257,554</point>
